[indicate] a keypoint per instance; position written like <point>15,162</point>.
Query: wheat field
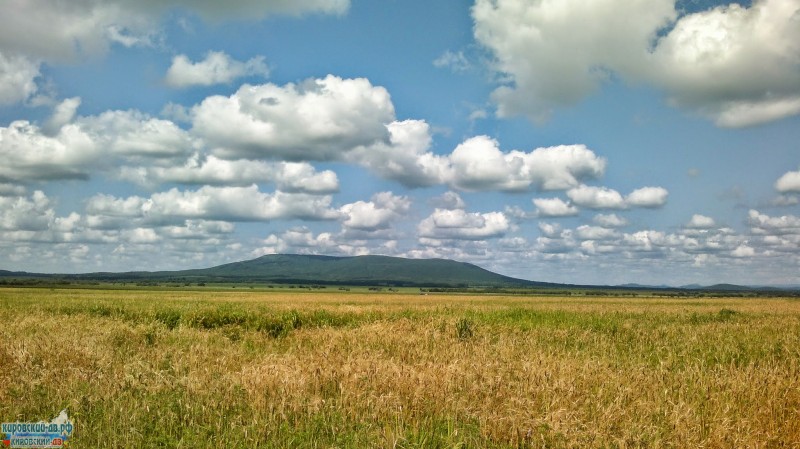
<point>235,368</point>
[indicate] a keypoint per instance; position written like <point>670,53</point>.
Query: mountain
<point>359,270</point>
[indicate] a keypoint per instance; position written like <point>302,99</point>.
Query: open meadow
<point>238,368</point>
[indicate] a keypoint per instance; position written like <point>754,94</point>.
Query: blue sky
<point>606,142</point>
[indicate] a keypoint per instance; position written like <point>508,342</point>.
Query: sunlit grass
<point>179,368</point>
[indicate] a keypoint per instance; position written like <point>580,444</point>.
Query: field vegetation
<point>239,368</point>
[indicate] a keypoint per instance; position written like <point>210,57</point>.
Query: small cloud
<point>216,68</point>
<point>478,114</point>
<point>786,200</point>
<point>550,229</point>
<point>743,251</point>
<point>596,197</point>
<point>693,172</point>
<point>701,222</point>
<point>649,197</point>
<point>518,213</point>
<point>176,113</point>
<point>128,37</point>
<point>789,182</point>
<point>456,62</point>
<point>586,232</point>
<point>448,200</point>
<point>610,220</point>
<point>63,114</point>
<point>460,225</point>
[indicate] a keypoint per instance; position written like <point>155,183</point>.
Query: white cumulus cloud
<point>287,176</point>
<point>596,197</point>
<point>605,198</point>
<point>789,182</point>
<point>766,225</point>
<point>448,200</point>
<point>318,119</point>
<point>701,222</point>
<point>379,213</point>
<point>479,164</point>
<point>17,78</point>
<point>554,207</point>
<point>66,31</point>
<point>649,197</point>
<point>556,53</point>
<point>405,157</point>
<point>610,220</point>
<point>238,204</point>
<point>735,65</point>
<point>28,154</point>
<point>216,68</point>
<point>461,225</point>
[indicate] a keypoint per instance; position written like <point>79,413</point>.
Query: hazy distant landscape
<point>372,271</point>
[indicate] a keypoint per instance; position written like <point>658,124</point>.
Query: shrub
<point>169,318</point>
<point>214,318</point>
<point>464,329</point>
<point>272,327</point>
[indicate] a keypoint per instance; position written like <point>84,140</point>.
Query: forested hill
<point>359,270</point>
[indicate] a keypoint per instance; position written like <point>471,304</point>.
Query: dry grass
<point>252,369</point>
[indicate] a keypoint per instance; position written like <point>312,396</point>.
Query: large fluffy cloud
<point>763,224</point>
<point>60,31</point>
<point>242,138</point>
<point>735,65</point>
<point>28,154</point>
<point>605,198</point>
<point>287,176</point>
<point>214,203</point>
<point>405,157</point>
<point>461,225</point>
<point>132,133</point>
<point>216,68</point>
<point>377,214</point>
<point>26,214</point>
<point>478,164</point>
<point>352,120</point>
<point>596,197</point>
<point>37,31</point>
<point>301,240</point>
<point>558,52</point>
<point>319,119</point>
<point>67,148</point>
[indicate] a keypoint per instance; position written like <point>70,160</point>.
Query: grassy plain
<point>235,368</point>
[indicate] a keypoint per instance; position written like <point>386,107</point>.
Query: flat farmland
<point>256,368</point>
